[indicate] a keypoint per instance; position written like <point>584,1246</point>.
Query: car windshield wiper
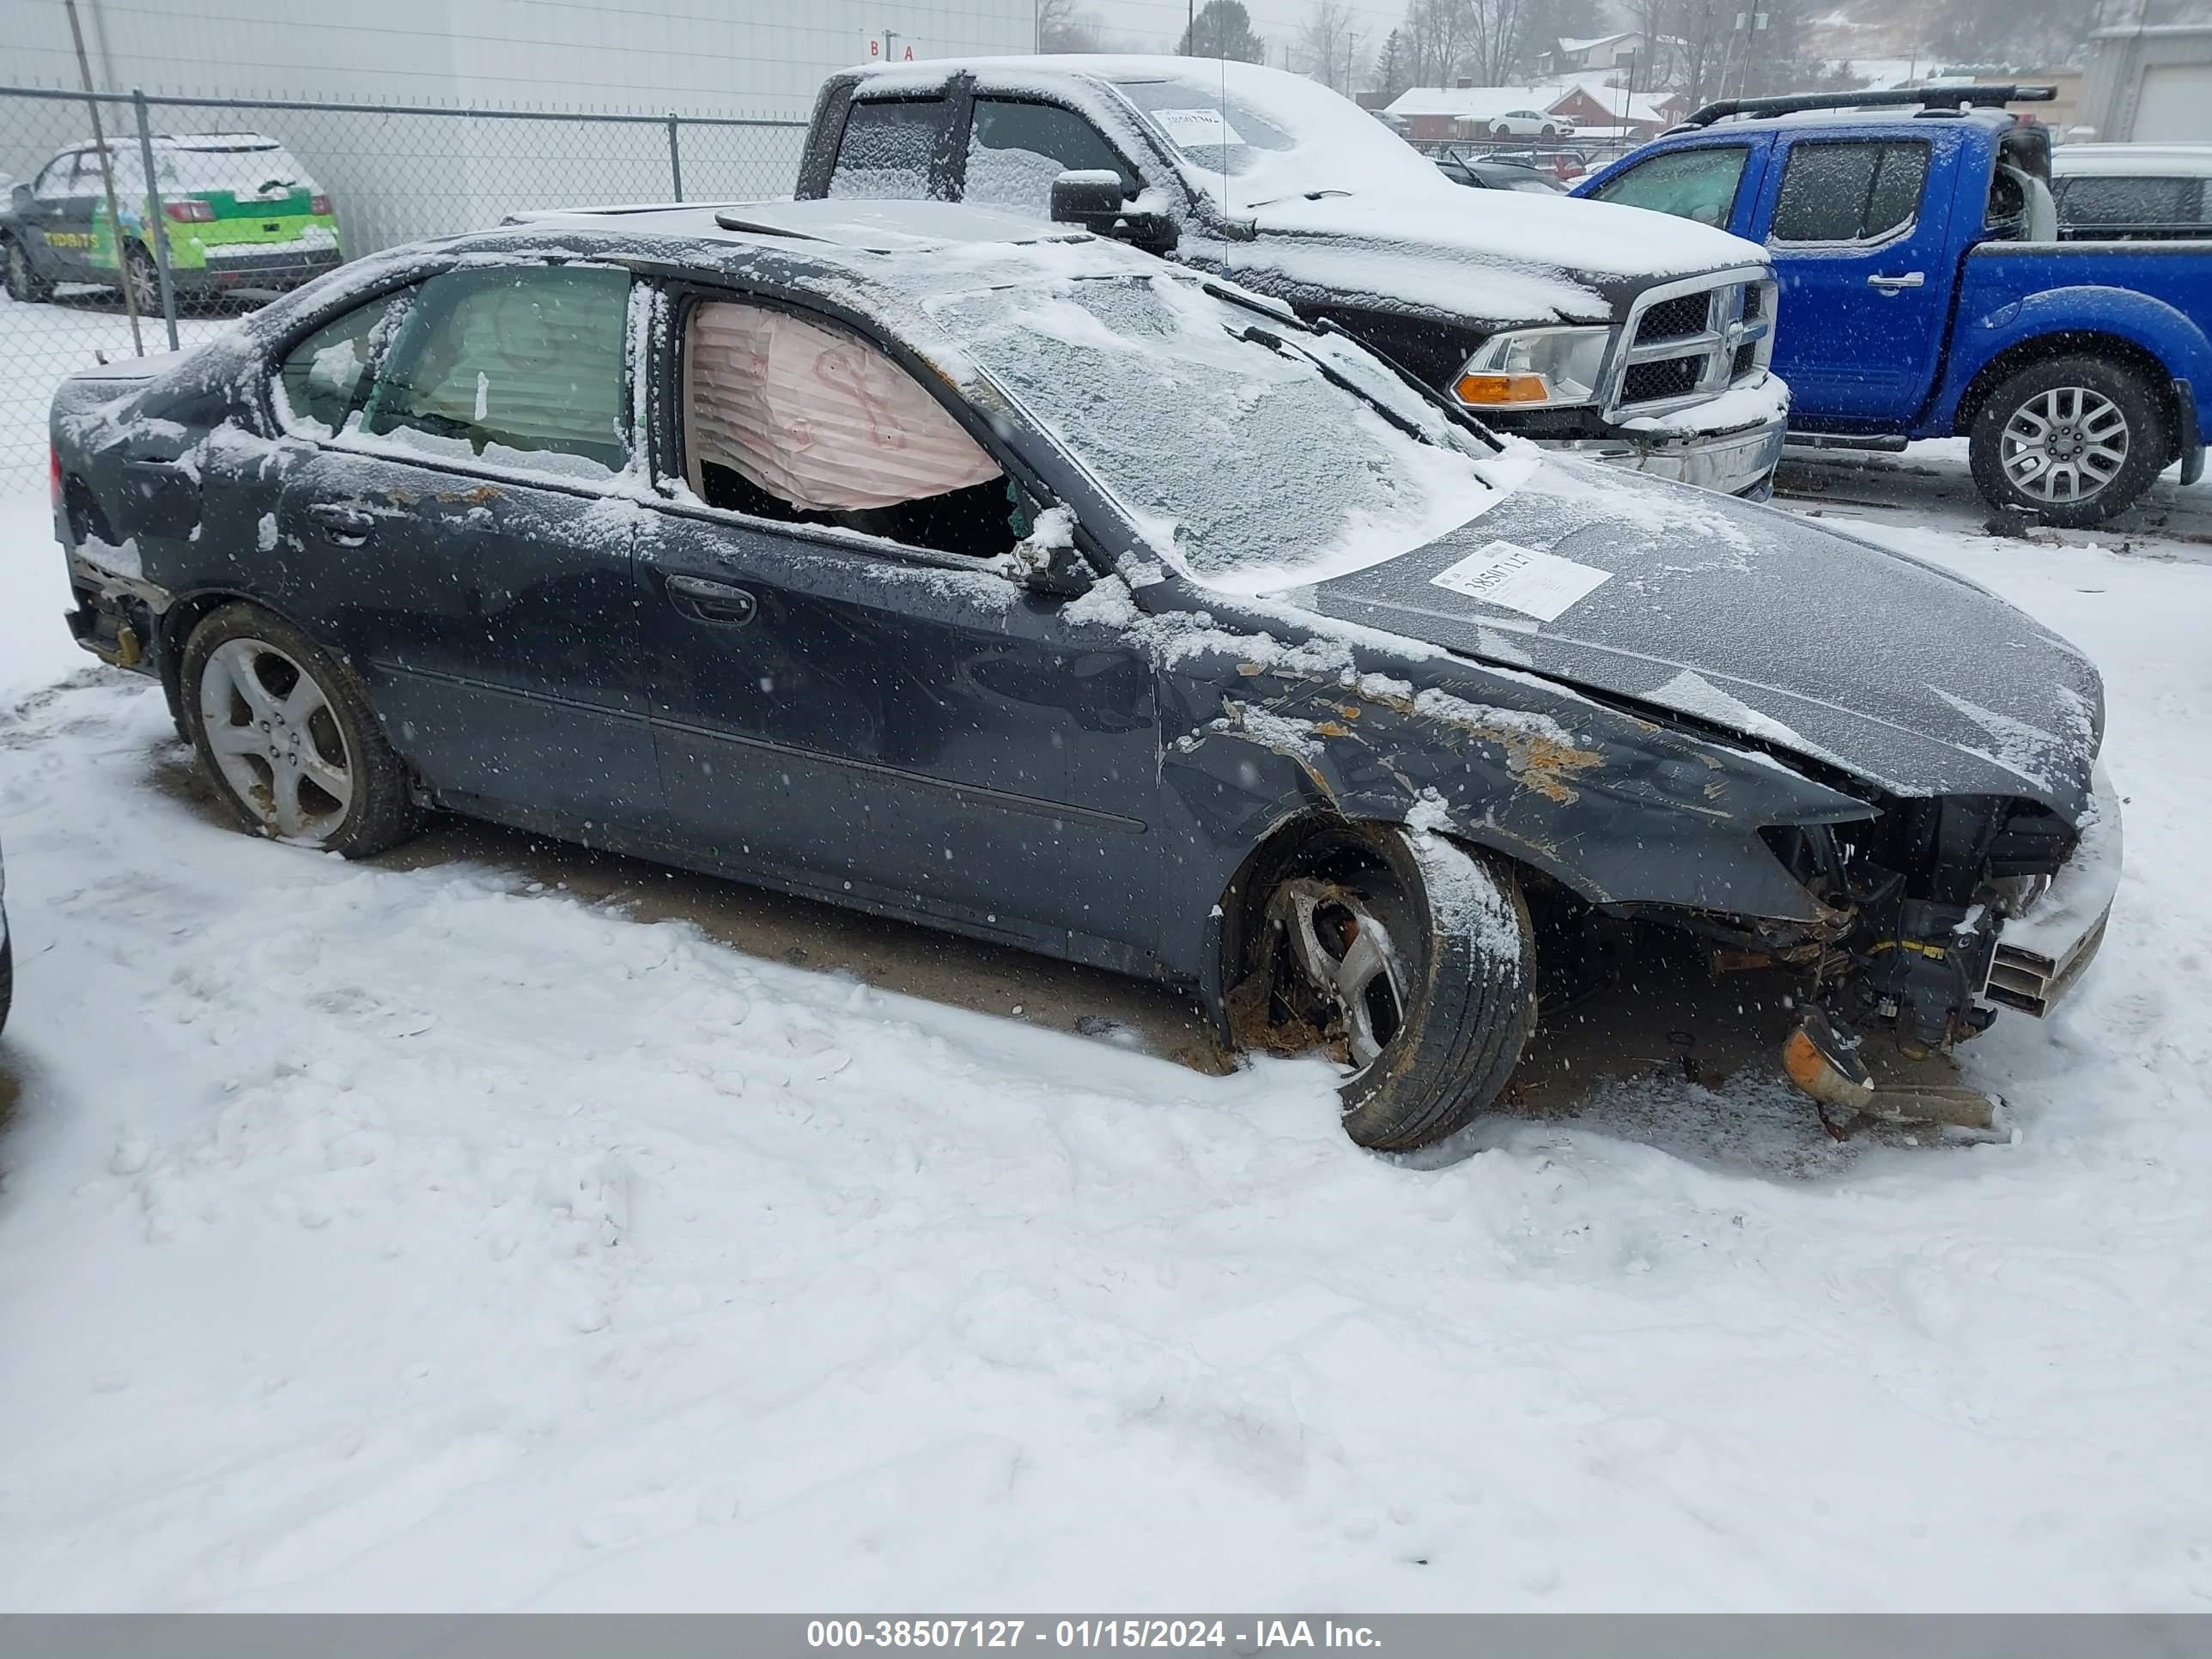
<point>1336,377</point>
<point>1436,399</point>
<point>1429,394</point>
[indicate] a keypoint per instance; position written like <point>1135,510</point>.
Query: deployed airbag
<point>816,417</point>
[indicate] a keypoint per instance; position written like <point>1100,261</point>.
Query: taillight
<point>189,212</point>
<point>319,205</point>
<point>54,476</point>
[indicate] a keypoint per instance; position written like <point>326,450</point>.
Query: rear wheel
<point>1407,960</point>
<point>287,736</point>
<point>25,285</point>
<point>2072,440</point>
<point>144,278</point>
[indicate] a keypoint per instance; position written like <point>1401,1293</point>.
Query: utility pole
<point>107,178</point>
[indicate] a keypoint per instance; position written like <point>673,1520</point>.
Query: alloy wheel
<point>145,284</point>
<point>275,739</point>
<point>2064,444</point>
<point>1349,963</point>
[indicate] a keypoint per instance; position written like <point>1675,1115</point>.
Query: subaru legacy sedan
<point>989,575</point>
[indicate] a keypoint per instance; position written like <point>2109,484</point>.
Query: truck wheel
<point>1404,958</point>
<point>287,736</point>
<point>25,285</point>
<point>2073,440</point>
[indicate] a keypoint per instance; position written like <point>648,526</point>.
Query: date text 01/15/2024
<point>1243,1637</point>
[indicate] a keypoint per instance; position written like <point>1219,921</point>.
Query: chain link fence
<point>247,197</point>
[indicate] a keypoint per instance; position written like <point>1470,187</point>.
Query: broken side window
<point>790,419</point>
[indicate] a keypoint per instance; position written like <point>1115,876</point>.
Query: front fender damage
<point>1622,810</point>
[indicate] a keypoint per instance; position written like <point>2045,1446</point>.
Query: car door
<point>1861,259</point>
<point>459,522</point>
<point>60,219</point>
<point>883,717</point>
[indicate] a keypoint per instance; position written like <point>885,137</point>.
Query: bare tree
<point>1065,26</point>
<point>1331,45</point>
<point>1436,41</point>
<point>1498,39</point>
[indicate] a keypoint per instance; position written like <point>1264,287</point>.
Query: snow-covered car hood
<point>1493,256</point>
<point>1750,619</point>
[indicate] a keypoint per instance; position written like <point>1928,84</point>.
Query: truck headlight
<point>1535,368</point>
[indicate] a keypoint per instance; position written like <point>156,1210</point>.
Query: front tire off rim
<point>275,739</point>
<point>2064,444</point>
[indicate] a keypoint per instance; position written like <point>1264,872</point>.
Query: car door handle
<point>1891,284</point>
<point>711,601</point>
<point>348,526</point>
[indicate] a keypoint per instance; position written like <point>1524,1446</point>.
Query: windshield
<point>1219,427</point>
<point>1251,135</point>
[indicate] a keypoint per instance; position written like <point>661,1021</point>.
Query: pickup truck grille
<point>1691,341</point>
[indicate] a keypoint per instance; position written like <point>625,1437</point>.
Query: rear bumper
<point>285,268</point>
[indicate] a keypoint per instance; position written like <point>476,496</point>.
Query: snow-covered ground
<point>384,1237</point>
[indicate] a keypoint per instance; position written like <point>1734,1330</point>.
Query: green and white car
<point>239,211</point>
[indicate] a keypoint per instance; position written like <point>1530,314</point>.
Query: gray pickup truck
<point>1616,331</point>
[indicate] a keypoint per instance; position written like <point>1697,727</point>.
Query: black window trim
<point>1854,244</point>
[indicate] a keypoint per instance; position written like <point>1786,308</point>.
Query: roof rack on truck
<point>1932,100</point>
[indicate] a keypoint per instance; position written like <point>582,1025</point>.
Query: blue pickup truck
<point>1924,293</point>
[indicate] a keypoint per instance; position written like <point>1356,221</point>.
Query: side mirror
<point>1092,197</point>
<point>18,198</point>
<point>1048,562</point>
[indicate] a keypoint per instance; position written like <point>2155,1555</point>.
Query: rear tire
<point>144,278</point>
<point>1409,959</point>
<point>2073,440</point>
<point>25,285</point>
<point>285,733</point>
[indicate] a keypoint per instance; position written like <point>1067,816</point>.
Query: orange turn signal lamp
<point>1492,390</point>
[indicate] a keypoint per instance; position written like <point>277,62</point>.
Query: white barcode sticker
<point>1536,584</point>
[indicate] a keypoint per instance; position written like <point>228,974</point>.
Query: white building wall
<point>749,56</point>
<point>396,178</point>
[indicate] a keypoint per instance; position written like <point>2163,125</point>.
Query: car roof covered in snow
<point>916,246</point>
<point>884,260</point>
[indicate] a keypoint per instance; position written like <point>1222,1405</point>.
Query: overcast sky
<point>1277,21</point>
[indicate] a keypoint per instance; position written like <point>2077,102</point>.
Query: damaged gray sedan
<point>1005,580</point>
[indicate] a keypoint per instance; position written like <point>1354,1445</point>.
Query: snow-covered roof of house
<point>1596,40</point>
<point>1618,102</point>
<point>1474,103</point>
